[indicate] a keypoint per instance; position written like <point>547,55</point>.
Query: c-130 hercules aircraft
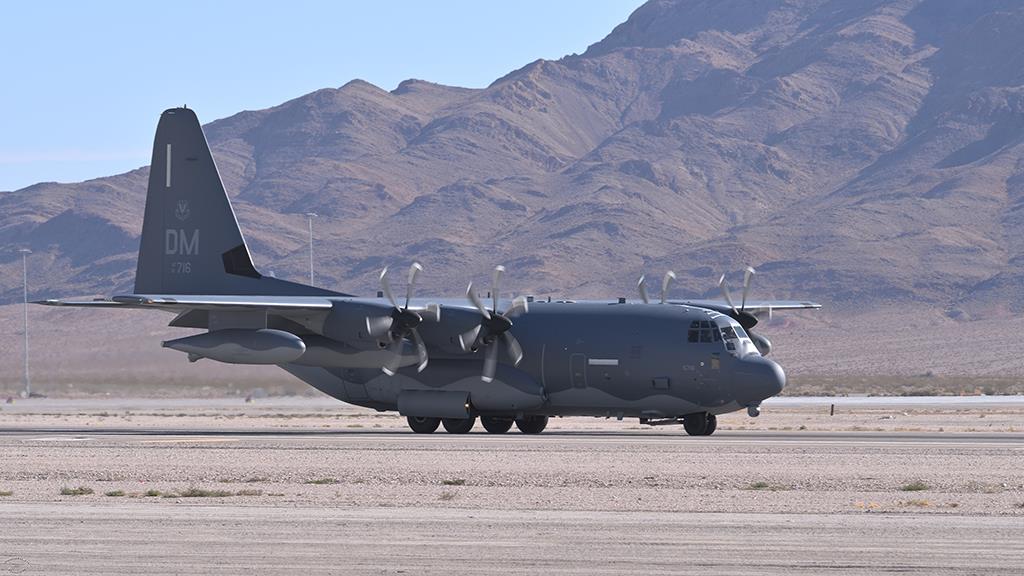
<point>515,361</point>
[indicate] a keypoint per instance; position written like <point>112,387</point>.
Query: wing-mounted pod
<point>241,346</point>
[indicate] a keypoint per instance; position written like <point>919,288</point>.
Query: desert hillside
<point>868,155</point>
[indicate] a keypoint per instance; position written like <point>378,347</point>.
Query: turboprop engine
<point>241,346</point>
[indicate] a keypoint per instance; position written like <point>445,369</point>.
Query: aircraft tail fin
<point>191,242</point>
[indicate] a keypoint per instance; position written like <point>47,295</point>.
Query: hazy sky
<point>83,83</point>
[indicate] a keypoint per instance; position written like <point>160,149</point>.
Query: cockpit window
<point>703,331</point>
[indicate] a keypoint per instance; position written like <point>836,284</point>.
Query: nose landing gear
<point>700,424</point>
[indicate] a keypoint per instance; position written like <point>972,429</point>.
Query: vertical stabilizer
<point>191,242</point>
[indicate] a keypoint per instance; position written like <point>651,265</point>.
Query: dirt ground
<point>280,485</point>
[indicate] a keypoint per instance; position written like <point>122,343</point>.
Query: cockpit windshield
<point>721,329</point>
<point>703,331</point>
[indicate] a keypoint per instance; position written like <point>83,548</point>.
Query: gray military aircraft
<point>436,362</point>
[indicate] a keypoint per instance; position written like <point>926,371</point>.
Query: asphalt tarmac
<point>282,490</point>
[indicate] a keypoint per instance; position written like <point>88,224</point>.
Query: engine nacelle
<point>347,323</point>
<point>241,346</point>
<point>763,345</point>
<point>326,353</point>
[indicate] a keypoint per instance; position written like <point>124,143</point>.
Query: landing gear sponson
<point>493,424</point>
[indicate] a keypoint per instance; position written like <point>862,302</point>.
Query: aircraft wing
<point>755,307</point>
<point>179,303</point>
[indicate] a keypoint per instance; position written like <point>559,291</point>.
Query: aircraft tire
<point>532,424</point>
<point>698,424</point>
<point>423,425</point>
<point>496,424</point>
<point>458,425</point>
<point>712,423</point>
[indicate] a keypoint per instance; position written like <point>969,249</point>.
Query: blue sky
<point>84,82</point>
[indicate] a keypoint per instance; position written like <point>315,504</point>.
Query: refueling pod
<point>241,346</point>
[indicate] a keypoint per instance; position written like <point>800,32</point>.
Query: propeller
<point>402,322</point>
<point>746,319</point>
<point>641,285</point>
<point>493,328</point>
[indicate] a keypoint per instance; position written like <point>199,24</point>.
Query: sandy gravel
<point>118,538</point>
<point>314,490</point>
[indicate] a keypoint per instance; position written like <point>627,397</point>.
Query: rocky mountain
<point>862,153</point>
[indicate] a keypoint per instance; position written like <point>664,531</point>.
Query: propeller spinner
<point>493,328</point>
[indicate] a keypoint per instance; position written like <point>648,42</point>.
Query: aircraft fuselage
<point>593,359</point>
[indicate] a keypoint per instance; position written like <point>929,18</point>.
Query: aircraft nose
<point>759,378</point>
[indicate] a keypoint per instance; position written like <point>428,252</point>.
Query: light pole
<point>24,275</point>
<point>309,217</point>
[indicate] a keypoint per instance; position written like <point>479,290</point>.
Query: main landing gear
<point>423,425</point>
<point>700,424</point>
<point>532,424</point>
<point>493,424</point>
<point>458,425</point>
<point>496,424</point>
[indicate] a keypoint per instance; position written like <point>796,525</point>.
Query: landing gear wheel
<point>712,424</point>
<point>700,424</point>
<point>458,425</point>
<point>423,425</point>
<point>532,424</point>
<point>496,424</point>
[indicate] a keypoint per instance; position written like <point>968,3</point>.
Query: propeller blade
<point>519,306</point>
<point>431,313</point>
<point>476,301</point>
<point>669,277</point>
<point>378,326</point>
<point>490,363</point>
<point>395,348</point>
<point>725,292</point>
<point>496,285</point>
<point>468,338</point>
<point>747,273</point>
<point>386,287</point>
<point>414,271</point>
<point>642,287</point>
<point>421,350</point>
<point>515,351</point>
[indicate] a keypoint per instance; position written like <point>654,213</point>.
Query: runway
<point>287,485</point>
<point>116,538</point>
